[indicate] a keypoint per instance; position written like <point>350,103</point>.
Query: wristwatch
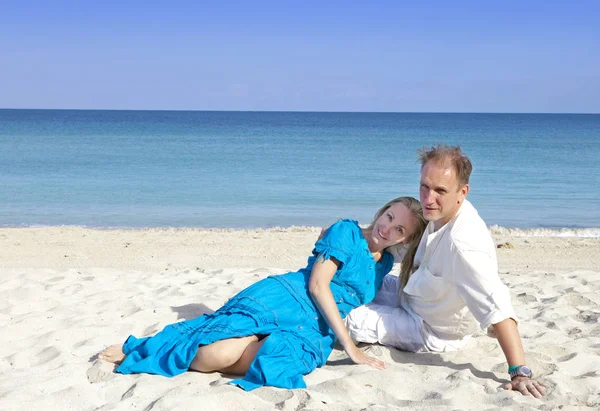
<point>520,370</point>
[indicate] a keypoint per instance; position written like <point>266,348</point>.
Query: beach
<point>68,292</point>
<point>156,161</point>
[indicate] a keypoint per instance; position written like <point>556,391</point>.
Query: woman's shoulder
<point>346,222</point>
<point>345,226</point>
<point>339,240</point>
<point>344,231</point>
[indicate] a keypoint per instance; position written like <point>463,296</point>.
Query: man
<point>455,284</point>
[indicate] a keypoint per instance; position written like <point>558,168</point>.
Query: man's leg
<point>388,292</point>
<point>387,325</point>
<point>362,321</point>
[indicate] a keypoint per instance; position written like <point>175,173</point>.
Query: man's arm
<point>510,341</point>
<point>478,283</point>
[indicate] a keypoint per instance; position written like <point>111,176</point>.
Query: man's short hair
<point>448,156</point>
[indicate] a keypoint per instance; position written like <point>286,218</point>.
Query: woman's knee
<point>220,354</point>
<point>211,358</point>
<point>250,352</point>
<point>241,366</point>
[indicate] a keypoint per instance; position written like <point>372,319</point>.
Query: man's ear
<point>464,191</point>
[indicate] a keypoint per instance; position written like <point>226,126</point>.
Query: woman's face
<point>394,226</point>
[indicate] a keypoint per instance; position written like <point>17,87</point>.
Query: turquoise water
<point>265,169</point>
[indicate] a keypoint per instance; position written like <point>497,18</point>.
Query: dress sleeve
<point>337,242</point>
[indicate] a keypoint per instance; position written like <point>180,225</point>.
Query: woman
<point>285,326</point>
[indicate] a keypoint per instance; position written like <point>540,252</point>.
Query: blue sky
<point>429,56</point>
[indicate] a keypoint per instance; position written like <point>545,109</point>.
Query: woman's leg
<point>113,354</point>
<point>243,364</point>
<point>231,356</point>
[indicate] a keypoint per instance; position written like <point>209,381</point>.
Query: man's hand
<point>526,386</point>
<point>508,336</point>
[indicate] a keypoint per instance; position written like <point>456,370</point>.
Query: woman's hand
<point>318,286</point>
<point>359,357</point>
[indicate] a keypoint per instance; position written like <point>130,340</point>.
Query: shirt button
<point>351,294</point>
<point>315,317</point>
<point>341,300</point>
<point>370,267</point>
<point>299,327</point>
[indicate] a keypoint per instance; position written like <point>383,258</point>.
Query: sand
<point>66,293</point>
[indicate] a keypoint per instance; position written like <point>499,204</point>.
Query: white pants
<point>385,321</point>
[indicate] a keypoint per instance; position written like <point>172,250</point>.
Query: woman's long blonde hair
<point>411,244</point>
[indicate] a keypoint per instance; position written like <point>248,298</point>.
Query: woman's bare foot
<point>113,354</point>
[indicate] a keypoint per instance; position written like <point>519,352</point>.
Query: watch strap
<point>519,370</point>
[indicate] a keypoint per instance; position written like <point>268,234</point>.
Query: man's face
<point>440,193</point>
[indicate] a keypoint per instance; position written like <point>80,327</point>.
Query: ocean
<point>136,169</point>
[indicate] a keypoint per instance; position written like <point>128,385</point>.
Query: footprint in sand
<point>55,279</point>
<point>150,330</point>
<point>280,398</point>
<point>575,331</point>
<point>373,350</point>
<point>47,355</point>
<point>259,271</point>
<point>526,298</point>
<point>588,317</point>
<point>131,310</point>
<point>219,382</point>
<point>81,343</point>
<point>567,357</point>
<point>580,365</point>
<point>99,371</point>
<point>162,290</point>
<point>71,289</point>
<point>129,392</point>
<point>578,300</point>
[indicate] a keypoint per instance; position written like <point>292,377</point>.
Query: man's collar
<point>465,204</point>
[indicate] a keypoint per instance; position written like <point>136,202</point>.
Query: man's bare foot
<point>113,354</point>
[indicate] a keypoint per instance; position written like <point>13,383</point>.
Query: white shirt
<point>456,285</point>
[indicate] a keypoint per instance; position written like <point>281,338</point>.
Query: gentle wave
<point>546,232</point>
<point>494,229</point>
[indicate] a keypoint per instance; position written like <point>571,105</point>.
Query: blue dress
<point>280,307</point>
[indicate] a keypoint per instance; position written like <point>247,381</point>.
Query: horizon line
<point>299,111</point>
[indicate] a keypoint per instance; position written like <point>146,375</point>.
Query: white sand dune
<point>66,293</point>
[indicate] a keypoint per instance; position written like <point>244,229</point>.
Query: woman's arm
<point>318,286</point>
